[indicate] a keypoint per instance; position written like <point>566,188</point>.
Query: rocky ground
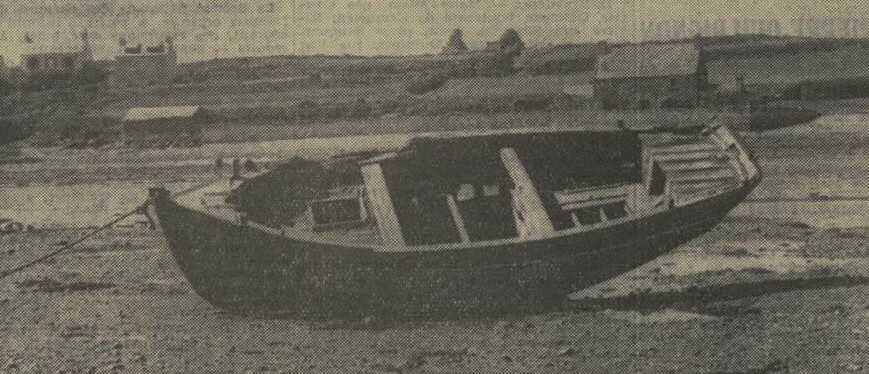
<point>774,289</point>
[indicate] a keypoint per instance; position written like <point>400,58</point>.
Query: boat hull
<point>246,270</point>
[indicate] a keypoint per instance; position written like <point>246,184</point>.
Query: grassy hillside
<point>234,96</point>
<point>298,96</point>
<point>787,69</point>
<point>514,85</point>
<point>382,67</point>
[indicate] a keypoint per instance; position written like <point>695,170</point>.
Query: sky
<point>205,29</point>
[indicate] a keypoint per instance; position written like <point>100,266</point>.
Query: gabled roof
<point>51,50</point>
<point>145,114</point>
<point>648,60</point>
<point>56,47</point>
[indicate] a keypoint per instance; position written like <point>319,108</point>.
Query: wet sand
<point>761,293</point>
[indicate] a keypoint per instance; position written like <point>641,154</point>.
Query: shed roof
<point>648,60</point>
<point>146,114</point>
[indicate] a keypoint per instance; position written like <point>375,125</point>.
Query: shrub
<point>360,109</point>
<point>90,73</point>
<point>426,84</point>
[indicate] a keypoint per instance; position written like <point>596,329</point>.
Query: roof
<point>146,114</point>
<point>54,48</point>
<point>159,49</point>
<point>648,60</point>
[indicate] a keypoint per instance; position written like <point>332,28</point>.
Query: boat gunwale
<point>427,248</point>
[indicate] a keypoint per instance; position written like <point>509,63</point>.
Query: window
<point>465,192</point>
<point>586,216</point>
<point>490,190</point>
<point>338,211</point>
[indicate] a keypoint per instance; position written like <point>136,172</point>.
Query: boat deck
<point>210,199</point>
<point>676,171</point>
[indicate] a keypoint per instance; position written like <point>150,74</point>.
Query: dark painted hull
<point>246,270</point>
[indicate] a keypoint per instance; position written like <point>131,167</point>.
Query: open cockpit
<point>478,188</point>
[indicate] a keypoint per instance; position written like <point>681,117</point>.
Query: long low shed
<point>172,124</point>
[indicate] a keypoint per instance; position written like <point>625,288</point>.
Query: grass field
<point>787,69</point>
<point>514,85</point>
<point>222,97</point>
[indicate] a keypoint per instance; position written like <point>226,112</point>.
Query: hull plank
<point>247,270</point>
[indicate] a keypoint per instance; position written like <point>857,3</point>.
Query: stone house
<point>60,59</point>
<point>145,66</point>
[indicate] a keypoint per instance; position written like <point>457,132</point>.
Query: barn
<point>163,126</point>
<point>645,76</point>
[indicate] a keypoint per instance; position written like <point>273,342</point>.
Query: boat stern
<point>742,159</point>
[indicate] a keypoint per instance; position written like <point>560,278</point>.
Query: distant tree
<point>511,41</point>
<point>455,44</point>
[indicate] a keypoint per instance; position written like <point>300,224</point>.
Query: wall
<point>170,130</point>
<point>645,93</point>
<point>60,62</point>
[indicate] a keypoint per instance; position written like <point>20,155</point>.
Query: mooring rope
<point>142,209</point>
<point>69,246</point>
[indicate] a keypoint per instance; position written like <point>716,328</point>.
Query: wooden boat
<point>484,222</point>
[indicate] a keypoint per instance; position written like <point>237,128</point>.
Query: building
<point>163,126</point>
<point>650,76</point>
<point>562,59</point>
<point>138,66</point>
<point>60,59</point>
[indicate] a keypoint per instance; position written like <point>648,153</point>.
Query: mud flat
<point>119,304</point>
<point>769,291</point>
